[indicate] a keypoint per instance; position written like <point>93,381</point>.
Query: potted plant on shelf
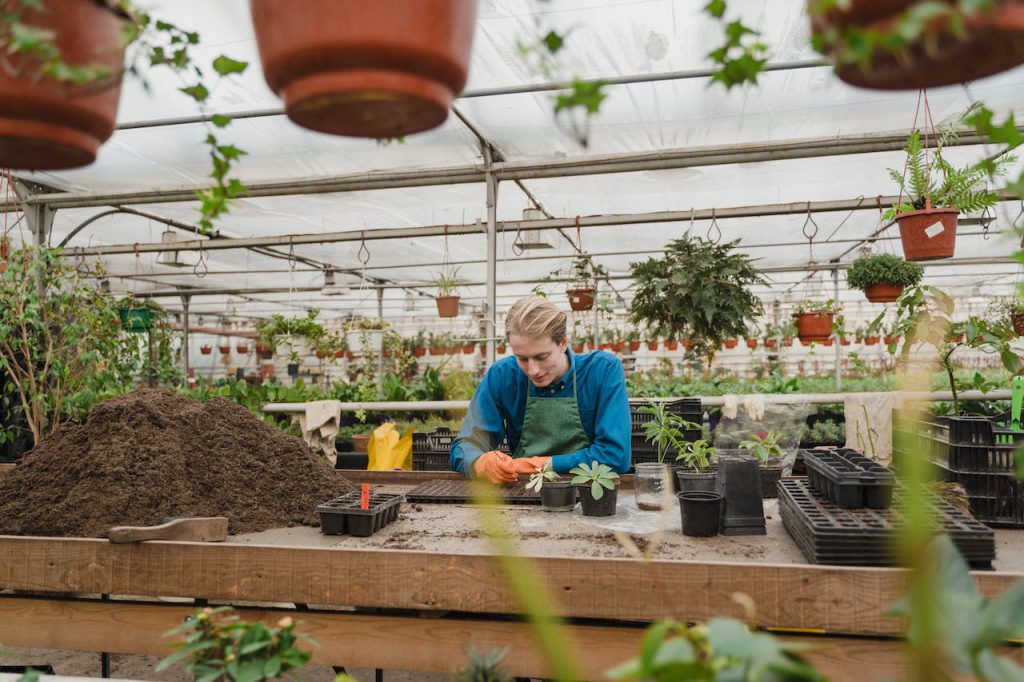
<point>882,277</point>
<point>731,343</point>
<point>698,290</point>
<point>1009,312</point>
<point>447,300</point>
<point>582,289</point>
<point>206,349</point>
<point>384,72</point>
<point>224,350</point>
<point>932,198</point>
<point>242,348</point>
<point>593,480</point>
<point>665,432</point>
<point>696,456</point>
<point>769,453</point>
<point>556,494</point>
<point>813,320</point>
<point>137,315</point>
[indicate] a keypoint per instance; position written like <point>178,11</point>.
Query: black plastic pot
<point>559,496</point>
<point>293,369</point>
<point>696,481</point>
<point>700,512</point>
<point>603,507</point>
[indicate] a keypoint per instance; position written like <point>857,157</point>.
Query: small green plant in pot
<point>768,451</point>
<point>1009,312</point>
<point>695,472</point>
<point>556,494</point>
<point>813,320</point>
<point>594,480</point>
<point>448,283</point>
<point>883,277</point>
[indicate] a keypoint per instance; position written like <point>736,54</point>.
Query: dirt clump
<point>150,454</point>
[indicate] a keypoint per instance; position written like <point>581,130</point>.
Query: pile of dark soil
<point>150,454</point>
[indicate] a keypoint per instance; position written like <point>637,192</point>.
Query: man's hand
<point>496,467</point>
<point>529,465</point>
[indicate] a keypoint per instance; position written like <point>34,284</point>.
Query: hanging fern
<point>946,185</point>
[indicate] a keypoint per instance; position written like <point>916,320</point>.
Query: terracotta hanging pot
<point>242,348</point>
<point>468,350</point>
<point>224,350</point>
<point>770,343</point>
<point>928,234</point>
<point>634,346</point>
<point>1017,320</point>
<point>581,298</point>
<point>501,350</point>
<point>731,343</point>
<point>447,306</point>
<point>881,292</point>
<point>870,340</point>
<point>617,346</point>
<point>652,345</point>
<point>380,69</point>
<point>436,351</point>
<point>205,350</point>
<point>751,344</point>
<point>577,348</point>
<point>419,352</point>
<point>672,345</point>
<point>813,326</point>
<point>992,41</point>
<point>828,342</point>
<point>48,125</point>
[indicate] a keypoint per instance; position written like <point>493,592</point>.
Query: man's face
<point>542,360</point>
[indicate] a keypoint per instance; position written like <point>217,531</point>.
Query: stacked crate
<point>976,452</point>
<point>688,408</point>
<point>432,451</point>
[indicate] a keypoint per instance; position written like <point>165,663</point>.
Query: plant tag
<point>934,229</point>
<point>364,501</point>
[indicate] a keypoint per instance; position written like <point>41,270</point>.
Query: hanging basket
<point>379,69</point>
<point>206,350</point>
<point>751,344</point>
<point>136,320</point>
<point>928,234</point>
<point>992,41</point>
<point>447,306</point>
<point>46,125</point>
<point>731,343</point>
<point>814,325</point>
<point>1017,320</point>
<point>881,292</point>
<point>581,298</point>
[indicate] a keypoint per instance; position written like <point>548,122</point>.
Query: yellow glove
<point>495,466</point>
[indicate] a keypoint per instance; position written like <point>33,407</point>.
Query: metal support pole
<point>597,315</point>
<point>491,308</point>
<point>837,342</point>
<point>380,351</point>
<point>185,300</point>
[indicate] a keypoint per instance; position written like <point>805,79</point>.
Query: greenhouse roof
<point>668,153</point>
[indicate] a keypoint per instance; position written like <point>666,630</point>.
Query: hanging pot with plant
<point>206,349</point>
<point>583,288</point>
<point>882,277</point>
<point>751,344</point>
<point>581,299</point>
<point>242,348</point>
<point>264,351</point>
<point>931,198</point>
<point>731,343</point>
<point>380,69</point>
<point>224,350</point>
<point>135,319</point>
<point>46,122</point>
<point>813,320</point>
<point>447,283</point>
<point>892,45</point>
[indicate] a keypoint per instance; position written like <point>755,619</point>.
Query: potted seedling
<point>696,455</point>
<point>932,198</point>
<point>225,350</point>
<point>813,320</point>
<point>883,276</point>
<point>206,349</point>
<point>665,432</point>
<point>597,487</point>
<point>556,494</point>
<point>769,453</point>
<point>448,283</point>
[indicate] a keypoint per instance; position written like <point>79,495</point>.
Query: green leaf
<point>553,42</point>
<point>226,66</point>
<point>715,8</point>
<point>220,120</point>
<point>596,491</point>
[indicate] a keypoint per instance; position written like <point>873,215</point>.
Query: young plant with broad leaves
<point>665,430</point>
<point>599,476</point>
<point>537,478</point>
<point>764,447</point>
<point>697,454</point>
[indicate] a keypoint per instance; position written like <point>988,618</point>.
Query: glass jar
<point>649,485</point>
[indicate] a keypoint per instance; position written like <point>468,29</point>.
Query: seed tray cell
<point>849,479</point>
<point>343,515</point>
<point>458,492</point>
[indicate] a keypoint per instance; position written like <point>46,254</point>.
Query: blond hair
<point>535,317</point>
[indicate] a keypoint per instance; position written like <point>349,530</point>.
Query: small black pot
<point>700,511</point>
<point>700,481</point>
<point>603,507</point>
<point>558,496</point>
<point>293,369</point>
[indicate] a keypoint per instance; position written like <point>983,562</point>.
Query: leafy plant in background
<point>822,306</point>
<point>883,268</point>
<point>698,290</point>
<point>219,646</point>
<point>723,649</point>
<point>152,42</point>
<point>288,330</point>
<point>599,476</point>
<point>943,184</point>
<point>157,352</point>
<point>62,349</point>
<point>484,666</point>
<point>764,447</point>
<point>448,282</point>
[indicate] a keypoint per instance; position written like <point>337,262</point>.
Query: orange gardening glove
<point>529,465</point>
<point>495,466</point>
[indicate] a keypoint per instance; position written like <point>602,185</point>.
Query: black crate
<point>435,441</point>
<point>431,461</point>
<point>342,515</point>
<point>687,408</point>
<point>849,479</point>
<point>996,498</point>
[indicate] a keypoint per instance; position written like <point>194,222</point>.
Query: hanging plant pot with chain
<point>814,320</point>
<point>581,299</point>
<point>928,234</point>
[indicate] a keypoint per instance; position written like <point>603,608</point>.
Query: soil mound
<point>150,454</point>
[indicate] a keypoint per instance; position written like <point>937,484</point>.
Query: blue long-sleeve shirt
<point>498,409</point>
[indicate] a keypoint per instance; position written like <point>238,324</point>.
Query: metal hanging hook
<point>692,217</point>
<point>201,262</point>
<point>714,229</point>
<point>364,253</point>
<point>986,219</point>
<point>810,228</point>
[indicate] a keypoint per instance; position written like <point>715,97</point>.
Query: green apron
<point>552,426</point>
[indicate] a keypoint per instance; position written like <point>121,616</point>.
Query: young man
<point>551,404</point>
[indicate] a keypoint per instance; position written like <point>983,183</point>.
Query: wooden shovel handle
<point>199,529</point>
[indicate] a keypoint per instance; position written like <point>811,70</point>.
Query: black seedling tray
<point>458,492</point>
<point>438,440</point>
<point>827,533</point>
<point>342,515</point>
<point>849,479</point>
